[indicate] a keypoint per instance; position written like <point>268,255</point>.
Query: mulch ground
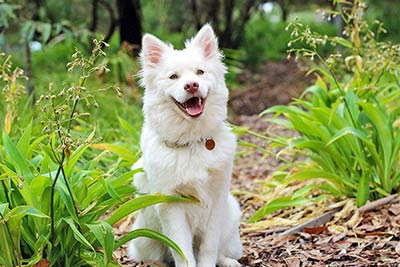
<point>350,238</point>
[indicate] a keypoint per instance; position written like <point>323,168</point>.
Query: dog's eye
<point>200,72</point>
<point>173,76</point>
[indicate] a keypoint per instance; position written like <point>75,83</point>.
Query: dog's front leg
<point>175,225</point>
<point>208,249</point>
<point>209,246</point>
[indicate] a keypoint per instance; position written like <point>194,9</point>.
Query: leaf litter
<point>366,236</point>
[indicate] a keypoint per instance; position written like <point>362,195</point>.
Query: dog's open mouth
<point>193,107</point>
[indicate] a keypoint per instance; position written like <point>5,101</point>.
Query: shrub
<point>348,121</point>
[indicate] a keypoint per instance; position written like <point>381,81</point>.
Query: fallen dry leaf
<point>42,263</point>
<point>315,230</point>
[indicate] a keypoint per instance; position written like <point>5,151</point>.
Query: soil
<point>350,238</point>
<point>274,83</point>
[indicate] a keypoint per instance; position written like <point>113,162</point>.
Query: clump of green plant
<point>348,122</point>
<point>54,198</point>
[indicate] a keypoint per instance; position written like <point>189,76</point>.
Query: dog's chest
<point>169,168</point>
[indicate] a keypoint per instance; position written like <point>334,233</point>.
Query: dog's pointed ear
<point>152,49</point>
<point>207,41</point>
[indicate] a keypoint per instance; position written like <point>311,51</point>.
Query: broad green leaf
<point>348,131</point>
<point>120,150</point>
<point>47,149</point>
<point>239,130</point>
<point>343,42</point>
<point>150,234</point>
<point>3,208</point>
<point>28,30</point>
<point>77,153</point>
<point>67,199</point>
<point>277,204</point>
<point>45,29</point>
<point>24,141</point>
<point>15,217</point>
<point>7,254</point>
<point>318,173</point>
<point>110,190</point>
<point>16,157</point>
<point>77,234</point>
<point>363,191</point>
<point>140,203</point>
<point>384,132</point>
<point>303,191</point>
<point>128,127</point>
<point>104,234</point>
<point>318,93</point>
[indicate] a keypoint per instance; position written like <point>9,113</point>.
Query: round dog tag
<point>210,144</point>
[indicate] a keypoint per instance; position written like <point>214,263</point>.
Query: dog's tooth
<point>200,101</point>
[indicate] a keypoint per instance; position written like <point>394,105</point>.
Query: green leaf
<point>7,254</point>
<point>128,127</point>
<point>384,132</point>
<point>239,130</point>
<point>24,141</point>
<point>16,157</point>
<point>318,173</point>
<point>28,30</point>
<point>304,190</point>
<point>3,208</point>
<point>104,234</point>
<point>150,234</point>
<point>15,217</point>
<point>348,131</point>
<point>45,29</point>
<point>277,204</point>
<point>363,190</point>
<point>47,149</point>
<point>120,150</point>
<point>67,199</point>
<point>343,42</point>
<point>77,234</point>
<point>140,203</point>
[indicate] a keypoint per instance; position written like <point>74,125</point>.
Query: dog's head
<point>187,84</point>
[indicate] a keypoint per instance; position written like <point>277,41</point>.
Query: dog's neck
<point>208,142</point>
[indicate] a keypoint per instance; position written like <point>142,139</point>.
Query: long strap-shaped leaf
<point>144,232</point>
<point>142,202</point>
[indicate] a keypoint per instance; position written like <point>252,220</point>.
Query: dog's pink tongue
<point>194,106</point>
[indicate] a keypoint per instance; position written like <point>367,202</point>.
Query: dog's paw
<point>228,262</point>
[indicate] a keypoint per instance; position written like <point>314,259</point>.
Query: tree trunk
<point>130,23</point>
<point>227,33</point>
<point>93,24</point>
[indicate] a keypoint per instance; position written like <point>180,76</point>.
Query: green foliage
<point>267,39</point>
<point>6,14</point>
<point>348,122</point>
<point>56,189</point>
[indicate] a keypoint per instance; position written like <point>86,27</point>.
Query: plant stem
<point>11,239</point>
<point>52,196</point>
<point>69,191</point>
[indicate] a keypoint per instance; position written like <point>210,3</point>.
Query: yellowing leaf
<point>8,121</point>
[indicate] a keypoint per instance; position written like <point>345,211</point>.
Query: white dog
<point>188,150</point>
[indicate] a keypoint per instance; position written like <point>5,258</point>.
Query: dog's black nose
<point>191,87</point>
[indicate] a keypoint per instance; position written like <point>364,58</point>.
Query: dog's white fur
<point>208,231</point>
